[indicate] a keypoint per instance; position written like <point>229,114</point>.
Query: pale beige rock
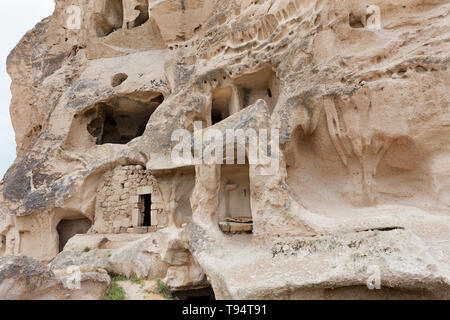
<point>364,120</point>
<point>23,278</point>
<point>337,266</point>
<point>145,290</point>
<point>160,255</point>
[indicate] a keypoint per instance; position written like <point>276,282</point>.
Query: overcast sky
<point>18,16</point>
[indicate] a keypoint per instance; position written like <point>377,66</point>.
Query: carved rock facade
<point>364,120</point>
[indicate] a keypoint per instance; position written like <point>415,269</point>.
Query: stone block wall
<point>118,198</point>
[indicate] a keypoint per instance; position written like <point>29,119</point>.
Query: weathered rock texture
<point>364,121</point>
<point>23,278</point>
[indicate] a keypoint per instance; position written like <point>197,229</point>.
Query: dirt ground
<point>140,291</point>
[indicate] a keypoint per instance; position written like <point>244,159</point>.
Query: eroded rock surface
<point>23,278</point>
<point>363,115</point>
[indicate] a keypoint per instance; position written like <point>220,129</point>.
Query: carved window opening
<point>262,84</point>
<point>356,22</point>
<point>112,15</point>
<point>121,119</point>
<point>230,97</point>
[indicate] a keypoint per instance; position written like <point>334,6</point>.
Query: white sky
<point>17,17</point>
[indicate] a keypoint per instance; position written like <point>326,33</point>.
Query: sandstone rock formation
<point>23,278</point>
<point>358,91</point>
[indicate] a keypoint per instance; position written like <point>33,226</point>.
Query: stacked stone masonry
<point>119,205</point>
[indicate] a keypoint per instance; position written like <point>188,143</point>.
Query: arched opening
<point>315,173</point>
<point>68,228</point>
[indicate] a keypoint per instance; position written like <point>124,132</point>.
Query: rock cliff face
<point>358,91</point>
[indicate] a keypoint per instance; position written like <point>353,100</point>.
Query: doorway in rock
<point>68,228</point>
<point>147,201</point>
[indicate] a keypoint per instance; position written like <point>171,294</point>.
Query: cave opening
<point>355,21</point>
<point>68,228</point>
<point>230,98</point>
<point>217,117</point>
<point>112,14</point>
<point>220,105</point>
<point>121,119</point>
<point>202,294</point>
<point>262,84</point>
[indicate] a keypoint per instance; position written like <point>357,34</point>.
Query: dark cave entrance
<point>262,84</point>
<point>216,117</point>
<point>220,105</point>
<point>202,294</point>
<point>122,118</point>
<point>68,228</point>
